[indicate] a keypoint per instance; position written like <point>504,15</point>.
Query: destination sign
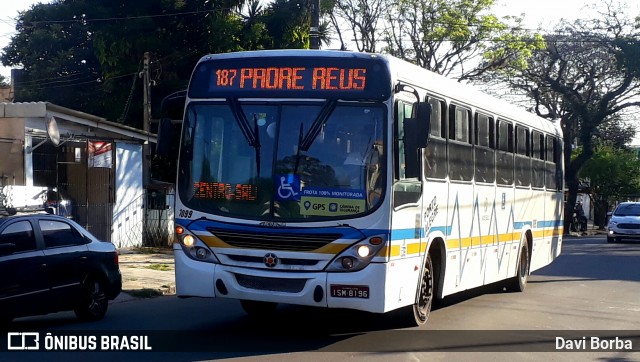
<point>301,77</point>
<point>290,78</point>
<point>224,191</point>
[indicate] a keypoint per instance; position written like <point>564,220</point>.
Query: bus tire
<point>421,309</point>
<point>257,309</point>
<point>519,282</point>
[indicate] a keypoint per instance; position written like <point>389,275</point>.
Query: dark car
<point>49,263</point>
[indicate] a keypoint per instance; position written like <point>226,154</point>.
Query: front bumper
<point>616,232</point>
<point>201,279</point>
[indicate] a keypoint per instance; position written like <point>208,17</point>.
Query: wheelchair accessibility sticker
<point>288,187</point>
<point>331,202</point>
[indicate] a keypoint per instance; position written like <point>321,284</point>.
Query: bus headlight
<point>364,251</point>
<point>188,240</point>
<point>195,248</point>
<point>357,256</point>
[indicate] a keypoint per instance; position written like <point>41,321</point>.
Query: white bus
<point>352,180</point>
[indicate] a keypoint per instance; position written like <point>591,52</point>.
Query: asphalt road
<point>591,290</point>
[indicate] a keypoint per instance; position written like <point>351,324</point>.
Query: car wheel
<point>519,282</point>
<point>420,310</point>
<point>256,309</point>
<point>93,303</point>
<point>611,240</point>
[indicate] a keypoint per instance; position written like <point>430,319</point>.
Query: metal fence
<point>158,230</point>
<point>145,221</point>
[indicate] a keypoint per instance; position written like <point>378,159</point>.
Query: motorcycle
<point>578,223</point>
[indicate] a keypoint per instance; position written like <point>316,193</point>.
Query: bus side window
<point>553,174</point>
<point>435,156</point>
<point>522,159</point>
<point>484,150</point>
<point>537,159</point>
<point>504,153</point>
<point>407,188</point>
<point>459,146</point>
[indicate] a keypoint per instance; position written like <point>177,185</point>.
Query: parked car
<point>624,222</point>
<point>49,263</point>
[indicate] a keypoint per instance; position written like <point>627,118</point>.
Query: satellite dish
<point>52,131</point>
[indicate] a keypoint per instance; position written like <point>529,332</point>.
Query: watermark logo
<point>23,341</point>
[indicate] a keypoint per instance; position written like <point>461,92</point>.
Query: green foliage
<point>87,54</point>
<point>447,36</point>
<point>613,173</point>
<point>629,55</point>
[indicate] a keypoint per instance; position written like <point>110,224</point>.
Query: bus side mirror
<point>423,126</point>
<point>411,149</point>
<point>166,134</point>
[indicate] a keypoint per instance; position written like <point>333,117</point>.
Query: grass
<point>159,267</point>
<point>152,250</point>
<point>144,293</point>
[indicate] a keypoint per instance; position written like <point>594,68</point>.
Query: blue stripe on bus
<point>346,231</point>
<point>412,233</point>
<point>349,233</point>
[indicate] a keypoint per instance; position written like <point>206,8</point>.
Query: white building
<point>95,163</point>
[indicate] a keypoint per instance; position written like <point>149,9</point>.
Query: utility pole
<point>147,92</point>
<point>146,118</point>
<point>314,32</point>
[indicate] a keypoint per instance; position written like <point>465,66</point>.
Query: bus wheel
<point>519,282</point>
<point>422,307</point>
<point>256,309</point>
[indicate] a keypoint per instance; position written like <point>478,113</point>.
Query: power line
<point>83,20</point>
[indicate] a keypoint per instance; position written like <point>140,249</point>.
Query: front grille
<point>274,241</point>
<point>283,261</point>
<point>629,226</point>
<point>271,284</point>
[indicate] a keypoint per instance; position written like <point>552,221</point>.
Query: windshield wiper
<point>256,145</point>
<point>251,135</point>
<point>317,124</point>
<point>248,133</point>
<point>300,135</point>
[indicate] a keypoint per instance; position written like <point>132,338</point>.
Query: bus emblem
<point>270,260</point>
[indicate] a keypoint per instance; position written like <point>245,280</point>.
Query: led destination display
<point>345,78</point>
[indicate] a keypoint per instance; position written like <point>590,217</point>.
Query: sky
<point>537,13</point>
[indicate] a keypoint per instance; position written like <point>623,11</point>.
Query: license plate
<point>350,291</point>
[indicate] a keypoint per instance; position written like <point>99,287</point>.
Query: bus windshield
<point>284,161</point>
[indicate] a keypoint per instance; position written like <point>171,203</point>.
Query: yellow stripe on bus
<point>413,247</point>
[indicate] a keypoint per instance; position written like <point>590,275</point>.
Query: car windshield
<point>313,160</point>
<point>627,210</point>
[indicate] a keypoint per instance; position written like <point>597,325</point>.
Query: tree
<point>363,19</point>
<point>87,54</point>
<point>460,38</point>
<point>613,174</point>
<point>3,81</point>
<point>584,78</point>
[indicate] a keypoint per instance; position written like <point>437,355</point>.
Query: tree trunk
<point>600,213</point>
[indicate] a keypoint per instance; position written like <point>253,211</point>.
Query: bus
<point>350,180</point>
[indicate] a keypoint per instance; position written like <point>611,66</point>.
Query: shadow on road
<point>220,329</point>
<point>594,258</point>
